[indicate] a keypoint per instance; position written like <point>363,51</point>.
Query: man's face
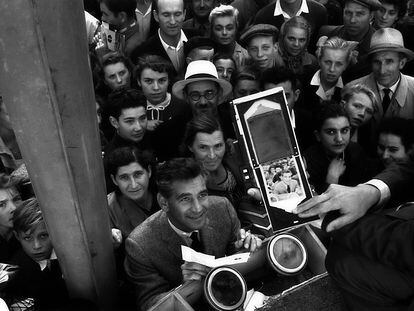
<point>36,243</point>
<point>109,17</point>
<point>170,16</point>
<point>187,206</point>
<point>225,68</point>
<point>132,180</point>
<point>246,87</point>
<point>262,50</point>
<point>295,40</point>
<point>360,109</point>
<point>386,16</point>
<point>8,199</point>
<point>202,8</point>
<point>333,63</point>
<point>224,30</point>
<point>117,76</point>
<point>386,67</point>
<point>291,95</point>
<point>390,149</point>
<point>131,124</point>
<point>357,19</point>
<point>154,85</point>
<point>203,96</point>
<point>209,149</point>
<point>334,135</point>
<point>286,177</point>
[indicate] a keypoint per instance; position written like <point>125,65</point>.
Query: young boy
<point>39,275</point>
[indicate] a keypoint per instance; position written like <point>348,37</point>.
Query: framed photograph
<point>271,156</point>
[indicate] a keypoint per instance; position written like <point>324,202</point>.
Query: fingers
<point>255,193</point>
<point>312,206</point>
<point>339,222</point>
<point>194,271</point>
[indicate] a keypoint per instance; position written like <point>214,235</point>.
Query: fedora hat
<point>201,70</point>
<point>389,39</point>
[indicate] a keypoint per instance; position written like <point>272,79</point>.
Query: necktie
<point>386,100</point>
<point>196,243</point>
<point>288,188</point>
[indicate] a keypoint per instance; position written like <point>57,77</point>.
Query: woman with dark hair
<point>389,13</point>
<point>291,50</point>
<point>205,140</point>
<point>134,199</point>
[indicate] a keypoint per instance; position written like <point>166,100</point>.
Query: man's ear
<point>403,61</point>
<point>123,16</point>
<point>155,13</point>
<point>114,122</point>
<point>184,12</point>
<point>162,202</point>
<point>296,94</point>
<point>16,235</point>
<point>114,180</point>
<point>188,60</point>
<point>317,136</point>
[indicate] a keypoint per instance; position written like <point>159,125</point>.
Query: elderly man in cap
<point>394,89</point>
<point>357,16</point>
<point>205,93</point>
<point>260,42</point>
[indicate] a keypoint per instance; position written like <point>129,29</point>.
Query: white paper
<point>191,255</point>
<point>254,300</point>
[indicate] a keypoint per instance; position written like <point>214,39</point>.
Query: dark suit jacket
<point>153,249</point>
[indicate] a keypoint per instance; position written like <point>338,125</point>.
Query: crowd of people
<point>165,73</point>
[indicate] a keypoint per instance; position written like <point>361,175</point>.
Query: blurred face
<point>132,180</point>
<point>200,54</point>
<point>295,40</point>
<point>334,135</point>
<point>246,87</point>
<point>170,17</point>
<point>225,68</point>
<point>224,30</point>
<point>202,8</point>
<point>262,50</point>
<point>209,149</point>
<point>154,85</point>
<point>8,199</point>
<point>386,16</point>
<point>203,96</point>
<point>117,76</point>
<point>132,124</point>
<point>390,149</point>
<point>286,177</point>
<point>332,63</point>
<point>291,95</point>
<point>186,207</point>
<point>386,67</point>
<point>360,109</point>
<point>109,17</point>
<point>36,243</point>
<point>357,19</point>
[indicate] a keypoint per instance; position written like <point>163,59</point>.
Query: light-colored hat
<point>201,70</point>
<point>389,39</point>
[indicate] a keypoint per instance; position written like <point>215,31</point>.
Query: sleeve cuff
<point>384,191</point>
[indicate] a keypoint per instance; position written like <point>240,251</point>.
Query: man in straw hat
<point>395,90</point>
<point>205,92</point>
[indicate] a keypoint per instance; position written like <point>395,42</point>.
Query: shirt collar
<point>43,263</point>
<point>127,27</point>
<point>146,13</point>
<point>279,11</point>
<point>180,44</point>
<point>316,80</point>
<point>185,235</point>
<point>393,87</point>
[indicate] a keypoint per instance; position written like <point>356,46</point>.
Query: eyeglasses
<point>196,96</point>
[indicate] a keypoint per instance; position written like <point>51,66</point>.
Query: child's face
<point>334,135</point>
<point>36,243</point>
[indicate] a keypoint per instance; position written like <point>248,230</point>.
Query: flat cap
<point>373,5</point>
<point>258,30</point>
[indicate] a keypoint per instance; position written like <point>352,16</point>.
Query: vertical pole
<point>47,87</point>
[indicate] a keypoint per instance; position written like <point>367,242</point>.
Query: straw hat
<point>201,70</point>
<point>389,39</point>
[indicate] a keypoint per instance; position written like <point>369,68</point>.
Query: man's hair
<point>197,42</point>
<point>279,75</point>
<point>178,169</point>
<point>246,73</point>
<point>329,109</point>
<point>115,58</point>
<point>27,216</point>
<point>204,123</point>
<point>336,43</point>
<point>222,55</point>
<point>124,99</point>
<point>400,127</point>
<point>349,90</point>
<point>224,11</point>
<point>118,6</point>
<point>6,182</point>
<point>154,62</point>
<point>124,156</point>
<point>156,8</point>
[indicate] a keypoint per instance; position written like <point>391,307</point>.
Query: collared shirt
<point>325,95</point>
<point>144,22</point>
<point>384,190</point>
<point>186,236</point>
<point>279,11</point>
<point>155,109</point>
<point>45,262</point>
<point>393,88</point>
<point>176,54</point>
